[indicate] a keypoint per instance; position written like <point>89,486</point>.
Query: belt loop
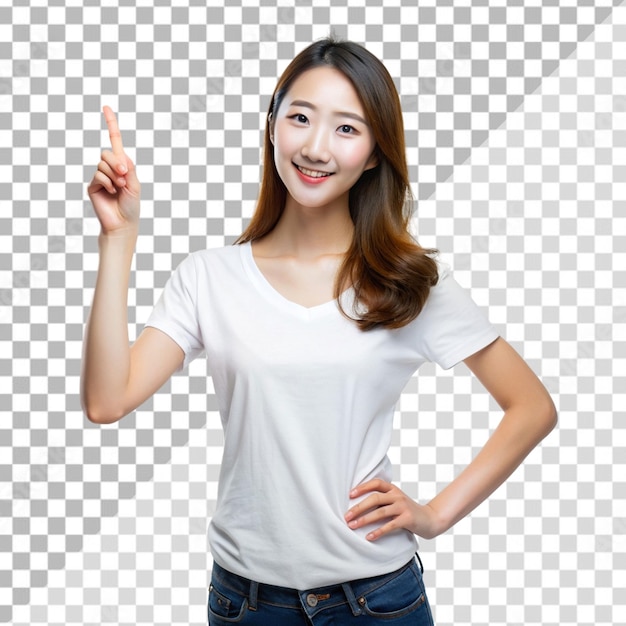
<point>254,593</point>
<point>352,601</point>
<point>420,561</point>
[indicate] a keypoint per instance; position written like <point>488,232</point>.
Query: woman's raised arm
<point>116,378</point>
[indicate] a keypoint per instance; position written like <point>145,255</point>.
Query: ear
<point>271,127</point>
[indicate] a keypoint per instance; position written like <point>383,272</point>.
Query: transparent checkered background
<point>515,118</point>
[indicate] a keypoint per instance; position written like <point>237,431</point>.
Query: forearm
<point>520,430</point>
<point>106,350</point>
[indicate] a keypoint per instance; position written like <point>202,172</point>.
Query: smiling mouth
<point>313,173</point>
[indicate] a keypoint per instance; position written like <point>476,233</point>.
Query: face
<point>322,142</point>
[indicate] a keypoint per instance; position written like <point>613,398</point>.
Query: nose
<point>316,145</point>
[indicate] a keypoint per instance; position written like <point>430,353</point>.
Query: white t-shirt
<point>306,401</point>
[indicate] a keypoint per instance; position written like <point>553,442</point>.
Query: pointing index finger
<point>114,131</point>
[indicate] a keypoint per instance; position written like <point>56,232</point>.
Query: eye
<point>347,129</point>
<point>299,117</point>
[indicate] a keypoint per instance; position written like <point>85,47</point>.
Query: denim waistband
<point>288,597</point>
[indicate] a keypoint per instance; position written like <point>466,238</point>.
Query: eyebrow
<point>308,105</point>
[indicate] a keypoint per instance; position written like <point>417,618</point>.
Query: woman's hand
<point>115,190</point>
<point>388,502</point>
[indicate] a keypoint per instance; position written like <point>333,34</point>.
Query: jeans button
<point>311,599</point>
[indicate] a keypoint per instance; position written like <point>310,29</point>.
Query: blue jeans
<point>398,598</point>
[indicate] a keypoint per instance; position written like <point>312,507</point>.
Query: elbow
<point>535,420</point>
<point>98,414</point>
<point>96,417</point>
<point>547,417</point>
<point>553,414</point>
<point>101,417</point>
<point>97,409</point>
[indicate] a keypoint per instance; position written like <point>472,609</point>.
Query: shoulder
<point>201,265</point>
<point>205,259</point>
<point>214,268</point>
<point>443,269</point>
<point>444,279</point>
<point>446,298</point>
<point>222,252</point>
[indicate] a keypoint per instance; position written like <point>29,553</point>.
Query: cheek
<point>281,156</point>
<point>357,155</point>
<point>283,152</point>
<point>284,140</point>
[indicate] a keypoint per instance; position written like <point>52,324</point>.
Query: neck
<point>310,232</point>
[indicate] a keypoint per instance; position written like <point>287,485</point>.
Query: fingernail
<point>123,169</point>
<point>353,493</point>
<point>352,524</point>
<point>348,516</point>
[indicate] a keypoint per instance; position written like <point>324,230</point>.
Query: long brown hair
<point>389,271</point>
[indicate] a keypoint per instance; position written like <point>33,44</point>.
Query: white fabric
<point>306,401</point>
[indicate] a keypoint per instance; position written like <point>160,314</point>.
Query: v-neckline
<point>271,293</point>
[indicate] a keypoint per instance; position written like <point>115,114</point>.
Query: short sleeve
<point>452,326</point>
<point>175,312</point>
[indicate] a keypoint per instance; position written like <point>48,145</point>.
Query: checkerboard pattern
<point>515,116</point>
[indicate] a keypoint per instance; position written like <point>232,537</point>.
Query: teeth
<point>312,173</point>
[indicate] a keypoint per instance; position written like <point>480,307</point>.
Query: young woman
<point>312,326</point>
